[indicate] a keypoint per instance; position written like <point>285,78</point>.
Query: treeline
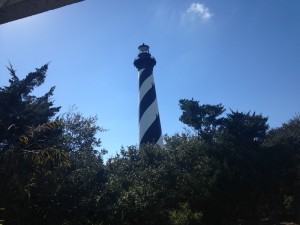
<point>229,169</point>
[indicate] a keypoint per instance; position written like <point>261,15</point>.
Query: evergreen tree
<point>204,119</point>
<point>50,169</point>
<point>28,141</point>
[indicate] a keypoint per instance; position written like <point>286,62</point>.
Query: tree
<point>235,146</point>
<point>283,144</point>
<point>239,151</point>
<point>134,186</point>
<point>185,216</point>
<point>81,192</point>
<point>28,141</point>
<point>50,168</point>
<point>79,132</point>
<point>245,128</point>
<point>153,185</point>
<point>19,109</point>
<point>202,118</point>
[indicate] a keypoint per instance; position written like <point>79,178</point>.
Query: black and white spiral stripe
<point>149,121</point>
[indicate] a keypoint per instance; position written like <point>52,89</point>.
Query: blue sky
<point>243,54</point>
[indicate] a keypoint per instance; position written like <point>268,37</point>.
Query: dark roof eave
<point>11,10</point>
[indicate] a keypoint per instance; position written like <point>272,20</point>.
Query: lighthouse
<point>149,121</point>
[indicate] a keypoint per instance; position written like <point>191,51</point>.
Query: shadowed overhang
<point>11,10</point>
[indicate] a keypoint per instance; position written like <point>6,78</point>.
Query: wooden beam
<point>11,10</point>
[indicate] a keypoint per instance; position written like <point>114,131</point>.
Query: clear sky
<point>243,54</point>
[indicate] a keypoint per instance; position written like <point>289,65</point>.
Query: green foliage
<point>231,171</point>
<point>288,133</point>
<point>133,185</point>
<point>49,167</point>
<point>202,118</point>
<point>150,182</point>
<point>257,172</point>
<point>185,216</point>
<point>80,132</point>
<point>283,161</point>
<point>245,128</point>
<point>228,178</point>
<point>19,109</point>
<point>28,142</point>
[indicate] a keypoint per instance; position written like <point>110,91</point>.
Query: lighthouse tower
<point>149,122</point>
